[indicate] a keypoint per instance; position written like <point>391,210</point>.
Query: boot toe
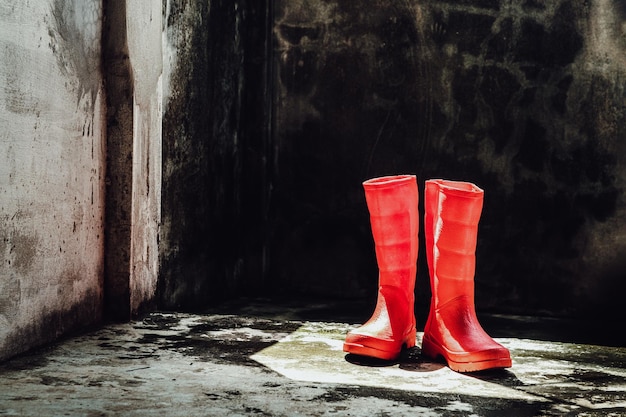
<point>489,355</point>
<point>370,345</point>
<point>361,343</point>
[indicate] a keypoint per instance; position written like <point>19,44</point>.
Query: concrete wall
<point>133,71</point>
<point>66,154</point>
<point>276,112</point>
<point>273,114</point>
<point>52,170</point>
<point>525,99</point>
<point>145,28</point>
<point>216,120</point>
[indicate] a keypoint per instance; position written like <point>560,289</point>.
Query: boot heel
<point>452,213</point>
<point>394,216</point>
<point>411,339</point>
<point>429,348</point>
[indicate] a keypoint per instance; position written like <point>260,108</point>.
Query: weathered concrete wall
<point>525,99</point>
<point>184,251</point>
<point>119,182</point>
<point>144,24</point>
<point>52,159</point>
<point>215,144</point>
<point>133,68</point>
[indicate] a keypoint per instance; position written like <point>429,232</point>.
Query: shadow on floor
<point>264,358</point>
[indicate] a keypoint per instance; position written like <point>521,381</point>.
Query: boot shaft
<point>393,206</point>
<point>452,213</point>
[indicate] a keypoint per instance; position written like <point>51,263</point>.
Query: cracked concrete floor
<point>269,361</point>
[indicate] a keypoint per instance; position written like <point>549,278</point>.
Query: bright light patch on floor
<point>314,353</point>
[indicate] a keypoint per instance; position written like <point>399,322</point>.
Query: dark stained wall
<point>52,171</point>
<point>117,258</point>
<point>277,112</point>
<point>216,123</point>
<point>525,99</point>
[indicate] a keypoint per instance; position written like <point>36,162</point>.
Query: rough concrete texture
<point>215,144</point>
<point>271,363</point>
<point>184,232</point>
<point>133,70</point>
<point>52,157</point>
<point>145,36</point>
<point>119,190</point>
<point>525,99</point>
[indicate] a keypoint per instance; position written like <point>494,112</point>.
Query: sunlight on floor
<point>314,353</point>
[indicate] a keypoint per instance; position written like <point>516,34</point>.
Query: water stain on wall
<point>18,253</point>
<point>48,326</point>
<point>23,249</point>
<point>525,100</point>
<point>18,89</point>
<point>75,34</point>
<point>505,94</point>
<point>215,187</point>
<point>354,100</point>
<point>10,296</point>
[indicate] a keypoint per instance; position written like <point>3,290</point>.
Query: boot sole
<point>435,351</point>
<point>380,349</point>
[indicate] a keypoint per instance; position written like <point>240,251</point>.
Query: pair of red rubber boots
<point>452,331</point>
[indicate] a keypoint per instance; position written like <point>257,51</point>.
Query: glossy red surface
<point>392,203</point>
<point>452,331</point>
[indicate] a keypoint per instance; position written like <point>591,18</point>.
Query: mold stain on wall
<point>353,100</point>
<point>75,34</point>
<point>51,191</point>
<point>215,150</point>
<point>526,99</point>
<point>18,250</point>
<point>10,291</point>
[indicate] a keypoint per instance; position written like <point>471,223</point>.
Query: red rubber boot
<point>452,331</point>
<point>392,203</point>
